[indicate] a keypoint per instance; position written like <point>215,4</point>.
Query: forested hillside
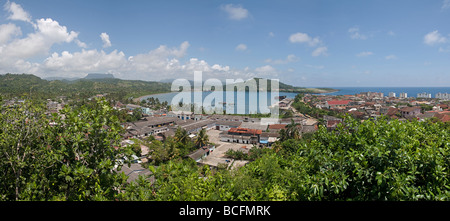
<point>26,85</point>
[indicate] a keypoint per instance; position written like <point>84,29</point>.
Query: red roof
<point>277,126</point>
<point>244,130</point>
<point>338,102</point>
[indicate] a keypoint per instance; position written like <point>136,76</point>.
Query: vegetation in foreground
<point>73,158</point>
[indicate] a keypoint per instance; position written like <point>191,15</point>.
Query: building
<point>403,95</point>
<point>443,96</point>
<point>408,112</point>
<point>268,138</point>
<point>337,104</point>
<point>226,125</point>
<point>183,115</point>
<point>145,110</point>
<point>423,95</point>
<point>201,153</point>
<point>241,135</point>
<point>391,94</point>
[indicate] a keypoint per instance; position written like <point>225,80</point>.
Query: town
<point>244,132</point>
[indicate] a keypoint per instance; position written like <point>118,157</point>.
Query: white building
<point>403,95</point>
<point>423,95</point>
<point>391,94</point>
<point>444,96</point>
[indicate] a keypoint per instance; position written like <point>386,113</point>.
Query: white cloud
<point>271,34</point>
<point>48,32</point>
<point>160,63</point>
<point>364,54</point>
<point>7,31</point>
<point>320,51</point>
<point>83,62</point>
<point>16,12</point>
<point>80,43</point>
<point>304,38</point>
<point>105,39</point>
<point>391,57</point>
<point>354,33</point>
<point>433,38</point>
<point>290,58</point>
<point>235,12</point>
<point>241,47</point>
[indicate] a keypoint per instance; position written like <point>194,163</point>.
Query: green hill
<point>19,85</point>
<point>24,85</point>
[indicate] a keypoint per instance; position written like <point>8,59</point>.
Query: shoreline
<point>141,97</point>
<point>320,91</point>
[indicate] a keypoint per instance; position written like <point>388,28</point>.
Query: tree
<point>202,138</point>
<point>56,158</point>
<point>181,135</point>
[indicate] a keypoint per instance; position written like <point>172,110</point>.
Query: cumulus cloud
<point>105,39</point>
<point>48,32</point>
<point>16,12</point>
<point>20,54</point>
<point>8,31</point>
<point>235,12</point>
<point>304,38</point>
<point>84,62</point>
<point>433,38</point>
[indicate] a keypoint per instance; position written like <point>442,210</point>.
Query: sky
<point>314,43</point>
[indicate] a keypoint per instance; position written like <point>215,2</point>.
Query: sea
<point>249,98</point>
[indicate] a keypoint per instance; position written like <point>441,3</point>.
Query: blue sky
<point>320,43</point>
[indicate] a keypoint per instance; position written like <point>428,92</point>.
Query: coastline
<point>141,97</point>
<point>306,90</point>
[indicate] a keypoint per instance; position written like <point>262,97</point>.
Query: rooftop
<point>244,131</point>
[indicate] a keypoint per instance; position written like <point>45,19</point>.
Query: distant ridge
<point>98,76</point>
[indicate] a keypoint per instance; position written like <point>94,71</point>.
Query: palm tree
<point>292,130</point>
<point>181,135</point>
<point>202,138</point>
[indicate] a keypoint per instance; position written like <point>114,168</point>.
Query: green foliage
<point>59,158</point>
<point>372,160</point>
<point>26,85</point>
<point>202,138</point>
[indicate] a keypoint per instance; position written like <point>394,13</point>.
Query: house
<point>408,112</point>
<point>337,104</point>
<point>268,138</point>
<point>276,127</point>
<point>201,153</point>
<point>241,135</point>
<point>392,112</point>
<point>443,117</point>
